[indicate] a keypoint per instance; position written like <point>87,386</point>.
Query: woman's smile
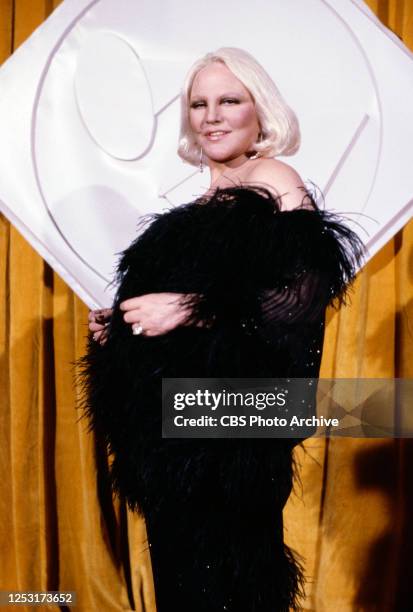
<point>216,135</point>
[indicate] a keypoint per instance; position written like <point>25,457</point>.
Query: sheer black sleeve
<point>300,300</point>
<point>281,268</point>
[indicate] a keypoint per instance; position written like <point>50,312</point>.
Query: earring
<point>201,161</point>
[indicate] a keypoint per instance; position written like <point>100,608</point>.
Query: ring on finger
<point>137,329</point>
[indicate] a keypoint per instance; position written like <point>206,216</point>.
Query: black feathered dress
<point>259,280</point>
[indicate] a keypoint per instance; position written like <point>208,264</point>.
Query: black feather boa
<point>214,507</point>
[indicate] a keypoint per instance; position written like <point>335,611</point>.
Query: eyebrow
<point>225,95</point>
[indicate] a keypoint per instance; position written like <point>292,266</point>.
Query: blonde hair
<point>279,127</point>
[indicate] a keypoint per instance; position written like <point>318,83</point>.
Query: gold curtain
<point>60,527</point>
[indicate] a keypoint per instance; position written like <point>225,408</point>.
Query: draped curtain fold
<point>60,527</point>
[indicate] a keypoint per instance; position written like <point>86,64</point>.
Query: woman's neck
<point>228,170</point>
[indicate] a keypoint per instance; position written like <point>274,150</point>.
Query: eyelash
<point>200,104</point>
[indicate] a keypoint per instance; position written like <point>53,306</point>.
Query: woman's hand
<point>155,314</point>
<point>98,323</point>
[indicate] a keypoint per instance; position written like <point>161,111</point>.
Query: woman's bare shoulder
<point>280,179</point>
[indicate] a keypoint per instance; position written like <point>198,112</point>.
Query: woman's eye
<point>223,101</point>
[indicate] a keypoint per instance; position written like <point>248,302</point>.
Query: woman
<point>234,284</point>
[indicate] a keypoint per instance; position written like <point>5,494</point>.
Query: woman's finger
<point>94,327</point>
<point>133,316</point>
<point>106,312</point>
<point>100,316</point>
<point>101,336</point>
<point>131,304</point>
<point>153,332</point>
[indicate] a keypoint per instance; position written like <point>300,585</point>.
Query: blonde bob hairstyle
<point>279,128</point>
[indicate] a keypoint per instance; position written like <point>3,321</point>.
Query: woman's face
<point>222,114</point>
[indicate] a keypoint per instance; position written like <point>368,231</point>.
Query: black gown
<point>259,280</point>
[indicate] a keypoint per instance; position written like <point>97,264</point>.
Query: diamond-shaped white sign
<point>89,118</point>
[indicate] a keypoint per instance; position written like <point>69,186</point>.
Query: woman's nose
<point>212,115</point>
